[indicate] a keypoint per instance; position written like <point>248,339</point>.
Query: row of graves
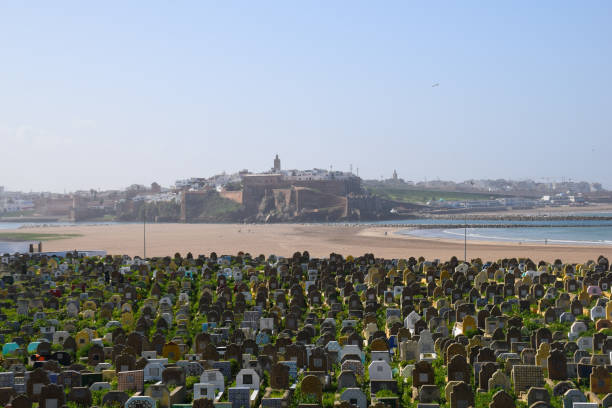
<point>243,331</point>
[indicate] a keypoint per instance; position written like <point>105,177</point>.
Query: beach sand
<point>285,239</point>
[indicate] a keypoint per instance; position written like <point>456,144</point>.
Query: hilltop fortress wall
<point>321,193</point>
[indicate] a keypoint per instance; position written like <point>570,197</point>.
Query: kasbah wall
<point>255,187</point>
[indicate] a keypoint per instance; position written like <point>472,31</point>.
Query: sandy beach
<point>285,239</point>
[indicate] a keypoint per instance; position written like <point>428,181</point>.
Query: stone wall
<point>256,186</point>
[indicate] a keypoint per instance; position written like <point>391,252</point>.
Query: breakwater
<point>520,217</point>
<point>497,225</point>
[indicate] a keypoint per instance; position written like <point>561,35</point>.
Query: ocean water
<point>591,235</point>
<point>12,247</point>
<point>24,225</point>
<point>22,247</point>
<point>459,223</point>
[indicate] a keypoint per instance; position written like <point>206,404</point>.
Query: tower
<point>394,175</point>
<point>276,164</point>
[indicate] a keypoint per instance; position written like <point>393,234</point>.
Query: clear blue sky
<point>113,93</point>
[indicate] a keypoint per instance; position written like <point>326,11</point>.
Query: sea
<point>560,232</point>
<point>23,246</point>
<point>569,232</point>
<point>600,235</point>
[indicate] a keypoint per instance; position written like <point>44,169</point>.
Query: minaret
<point>277,164</point>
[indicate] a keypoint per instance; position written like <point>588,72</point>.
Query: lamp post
<point>144,230</point>
<point>465,233</point>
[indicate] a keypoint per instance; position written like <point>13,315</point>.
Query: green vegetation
<point>385,393</point>
<point>211,207</point>
<point>33,236</point>
<point>277,394</point>
<point>299,398</point>
<point>25,213</point>
<point>410,195</point>
<point>164,211</point>
<point>328,399</point>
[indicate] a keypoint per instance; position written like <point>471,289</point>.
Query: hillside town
<point>292,195</point>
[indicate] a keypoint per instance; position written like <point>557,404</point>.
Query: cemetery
<point>268,331</point>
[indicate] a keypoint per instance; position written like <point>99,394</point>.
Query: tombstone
<point>428,393</point>
<point>528,356</point>
<point>7,379</point>
<point>542,354</point>
<point>426,345</point>
<point>37,379</point>
<point>239,397</point>
<point>279,376</point>
<point>125,362</point>
<point>100,386</point>
<point>171,351</point>
<point>499,380</point>
<point>380,370</point>
<point>576,329</point>
<point>571,396</point>
<point>214,378</point>
<point>355,366</point>
<point>501,399</point>
<point>317,360</point>
<point>311,385</point>
<point>487,370</point>
<point>537,394</point>
<point>347,379</point>
<point>130,380</point>
<point>247,378</point>
<point>461,396</point>
<point>409,350</point>
<point>95,355</point>
<point>153,371</point>
<point>598,312</point>
<point>526,376</point>
<point>557,365</point>
<point>80,396</point>
<point>600,380</point>
<point>202,403</point>
<point>69,379</point>
<point>422,374</point>
<point>174,376</point>
<point>140,402</point>
<point>21,401</point>
<point>159,393</point>
<point>354,396</point>
<point>458,369</point>
<point>52,396</point>
<point>606,402</point>
<point>204,390</point>
<point>117,397</point>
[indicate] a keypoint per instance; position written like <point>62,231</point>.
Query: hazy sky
<point>109,94</point>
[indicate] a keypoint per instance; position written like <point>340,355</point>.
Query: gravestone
<point>571,396</point>
<point>52,396</point>
<point>527,376</point>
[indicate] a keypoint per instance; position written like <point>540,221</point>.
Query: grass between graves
<point>33,236</point>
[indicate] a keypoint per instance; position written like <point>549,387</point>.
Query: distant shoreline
<point>534,214</point>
